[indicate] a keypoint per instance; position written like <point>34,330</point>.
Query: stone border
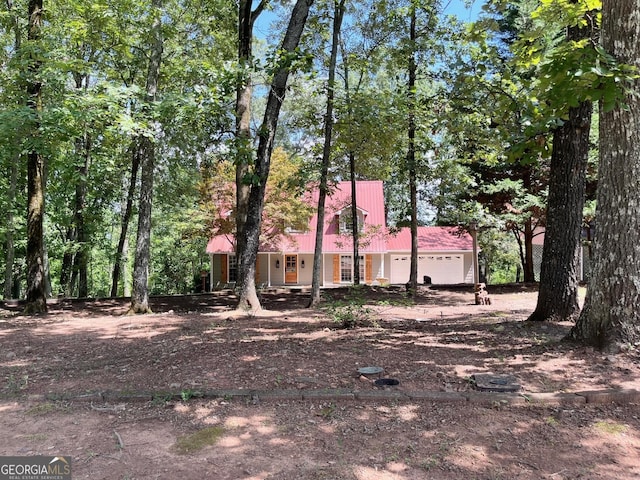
<point>599,397</point>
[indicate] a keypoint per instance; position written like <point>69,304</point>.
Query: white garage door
<point>443,269</point>
<point>400,268</point>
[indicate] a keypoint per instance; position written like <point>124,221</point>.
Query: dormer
<point>344,219</point>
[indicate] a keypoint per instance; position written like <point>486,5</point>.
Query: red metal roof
<point>375,237</point>
<point>431,239</point>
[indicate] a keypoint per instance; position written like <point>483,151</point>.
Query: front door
<point>291,269</point>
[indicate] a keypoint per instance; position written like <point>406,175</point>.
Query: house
<point>444,253</point>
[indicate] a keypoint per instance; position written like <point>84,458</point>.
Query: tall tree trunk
<point>80,201</point>
<point>411,154</point>
<point>527,264</point>
<point>528,268</point>
<point>355,232</point>
<point>126,285</point>
<point>119,263</point>
<point>10,228</point>
<point>611,318</point>
<point>83,153</point>
<point>244,143</point>
<point>36,295</point>
<point>140,294</point>
<point>67,261</point>
<point>247,265</point>
<point>326,152</point>
<point>13,180</point>
<point>559,272</point>
<point>355,228</point>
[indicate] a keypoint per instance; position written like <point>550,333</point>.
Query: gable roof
<point>369,199</point>
<point>374,237</point>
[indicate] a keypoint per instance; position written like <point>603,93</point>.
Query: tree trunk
<point>411,155</point>
<point>10,226</point>
<point>13,180</point>
<point>355,233</point>
<point>120,259</point>
<point>610,318</point>
<point>140,294</point>
<point>326,152</point>
<point>528,268</point>
<point>246,266</point>
<point>67,262</point>
<point>80,201</point>
<point>243,120</point>
<point>36,295</point>
<point>244,143</point>
<point>355,228</point>
<point>559,272</point>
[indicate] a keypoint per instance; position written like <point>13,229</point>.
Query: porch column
<point>269,270</point>
<point>382,268</point>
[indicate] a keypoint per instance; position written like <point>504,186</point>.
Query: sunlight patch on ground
<point>229,441</point>
<point>250,358</point>
<point>408,413</point>
<point>9,407</point>
<point>237,422</point>
<point>471,457</point>
<point>368,473</point>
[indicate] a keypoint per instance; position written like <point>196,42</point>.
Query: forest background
<point>486,98</point>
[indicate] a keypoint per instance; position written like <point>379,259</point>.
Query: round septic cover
<point>370,370</point>
<point>386,382</point>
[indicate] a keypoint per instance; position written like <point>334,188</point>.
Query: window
<point>346,222</point>
<point>233,268</point>
<point>346,268</point>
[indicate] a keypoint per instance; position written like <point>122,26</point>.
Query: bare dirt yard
<point>190,392</point>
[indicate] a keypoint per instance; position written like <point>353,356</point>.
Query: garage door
<point>443,269</point>
<point>400,268</point>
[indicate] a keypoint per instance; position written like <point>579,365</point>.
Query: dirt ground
<point>192,344</point>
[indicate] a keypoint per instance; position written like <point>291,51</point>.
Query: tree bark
<point>527,266</point>
<point>140,294</point>
<point>244,140</point>
<point>355,228</point>
<point>610,318</point>
<point>120,258</point>
<point>67,262</point>
<point>36,295</point>
<point>248,298</point>
<point>411,154</point>
<point>338,15</point>
<point>355,232</point>
<point>10,226</point>
<point>559,272</point>
<point>13,180</point>
<point>79,216</point>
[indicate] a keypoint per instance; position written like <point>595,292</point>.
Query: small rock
<point>10,355</point>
